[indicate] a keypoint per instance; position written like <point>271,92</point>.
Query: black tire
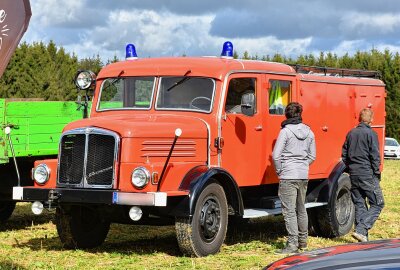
<point>81,227</point>
<point>204,233</point>
<point>337,218</point>
<point>6,210</point>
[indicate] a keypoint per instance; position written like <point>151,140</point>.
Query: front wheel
<point>81,227</point>
<point>204,233</point>
<point>337,218</point>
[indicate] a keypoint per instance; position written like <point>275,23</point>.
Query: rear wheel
<point>6,210</point>
<point>204,233</point>
<point>81,227</point>
<point>337,218</point>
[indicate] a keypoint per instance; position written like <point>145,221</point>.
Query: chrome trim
<point>208,142</point>
<point>185,110</point>
<point>126,109</point>
<point>87,131</point>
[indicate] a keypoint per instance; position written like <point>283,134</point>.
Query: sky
<point>161,28</point>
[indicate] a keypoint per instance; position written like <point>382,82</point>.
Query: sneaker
<point>359,237</point>
<point>289,249</point>
<point>302,245</point>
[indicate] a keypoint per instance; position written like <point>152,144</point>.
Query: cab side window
<point>236,89</point>
<point>279,96</point>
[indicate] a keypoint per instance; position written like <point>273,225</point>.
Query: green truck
<point>35,129</point>
<point>30,128</point>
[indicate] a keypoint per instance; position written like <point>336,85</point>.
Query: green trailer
<point>36,128</point>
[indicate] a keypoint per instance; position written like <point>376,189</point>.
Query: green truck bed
<point>36,126</point>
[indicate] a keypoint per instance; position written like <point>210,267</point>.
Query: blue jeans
<point>292,194</point>
<point>362,188</point>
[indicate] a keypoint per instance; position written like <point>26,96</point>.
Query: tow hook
<point>54,196</point>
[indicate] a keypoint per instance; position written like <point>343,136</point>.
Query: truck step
<point>263,212</point>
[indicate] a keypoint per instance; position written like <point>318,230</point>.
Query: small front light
<point>37,208</point>
<point>85,79</point>
<point>135,213</point>
<point>41,174</point>
<point>140,177</point>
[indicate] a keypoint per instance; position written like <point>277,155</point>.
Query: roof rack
<point>338,72</point>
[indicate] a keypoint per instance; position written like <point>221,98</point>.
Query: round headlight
<point>140,177</point>
<point>41,174</point>
<point>85,79</point>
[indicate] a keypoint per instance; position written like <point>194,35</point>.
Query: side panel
<point>373,97</point>
<point>331,110</point>
<point>37,125</point>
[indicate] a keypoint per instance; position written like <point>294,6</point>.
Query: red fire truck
<point>188,140</point>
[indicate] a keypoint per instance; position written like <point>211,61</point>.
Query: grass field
<point>31,242</point>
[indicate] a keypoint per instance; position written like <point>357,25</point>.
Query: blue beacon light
<point>227,50</point>
<point>130,52</point>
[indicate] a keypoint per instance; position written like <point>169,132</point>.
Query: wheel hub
<point>343,206</point>
<point>210,219</point>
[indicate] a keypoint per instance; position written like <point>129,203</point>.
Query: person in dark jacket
<point>360,154</point>
<point>293,153</point>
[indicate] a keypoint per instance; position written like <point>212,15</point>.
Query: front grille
<point>87,158</point>
<point>72,156</point>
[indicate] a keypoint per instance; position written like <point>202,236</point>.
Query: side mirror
<point>247,105</point>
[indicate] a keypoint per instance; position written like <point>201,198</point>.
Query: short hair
<point>366,115</point>
<point>293,109</point>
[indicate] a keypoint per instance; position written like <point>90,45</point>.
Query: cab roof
<point>213,67</point>
<point>216,67</point>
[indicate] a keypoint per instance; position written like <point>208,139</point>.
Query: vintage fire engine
<point>189,140</point>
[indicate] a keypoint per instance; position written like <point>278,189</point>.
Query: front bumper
<point>68,195</point>
<point>391,155</point>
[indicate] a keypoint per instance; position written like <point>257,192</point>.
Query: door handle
<point>258,128</point>
<point>325,128</point>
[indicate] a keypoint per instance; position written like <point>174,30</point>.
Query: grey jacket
<point>294,151</point>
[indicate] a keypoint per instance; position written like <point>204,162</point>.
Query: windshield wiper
<point>184,79</point>
<point>114,81</point>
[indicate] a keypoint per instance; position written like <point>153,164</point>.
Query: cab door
<point>243,153</point>
<point>277,92</point>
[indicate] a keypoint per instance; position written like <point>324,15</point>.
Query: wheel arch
<point>325,190</point>
<point>199,177</point>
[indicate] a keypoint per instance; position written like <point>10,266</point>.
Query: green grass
<point>31,242</point>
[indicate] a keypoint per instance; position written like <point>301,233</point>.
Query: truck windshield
<point>185,93</point>
<point>126,93</point>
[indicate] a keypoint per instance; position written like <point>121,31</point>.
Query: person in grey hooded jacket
<point>293,153</point>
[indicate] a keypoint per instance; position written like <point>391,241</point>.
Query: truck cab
<point>188,141</point>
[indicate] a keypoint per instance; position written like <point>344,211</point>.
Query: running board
<point>258,212</point>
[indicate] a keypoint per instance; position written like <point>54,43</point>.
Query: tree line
<point>47,71</point>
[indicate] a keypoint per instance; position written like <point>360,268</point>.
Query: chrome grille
<point>87,158</point>
<point>72,156</point>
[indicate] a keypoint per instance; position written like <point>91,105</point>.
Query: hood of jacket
<point>301,131</point>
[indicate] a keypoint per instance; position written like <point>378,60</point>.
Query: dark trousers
<point>292,194</point>
<point>365,188</point>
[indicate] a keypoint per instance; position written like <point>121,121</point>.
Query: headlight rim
<point>147,174</point>
<point>48,171</point>
<point>91,75</point>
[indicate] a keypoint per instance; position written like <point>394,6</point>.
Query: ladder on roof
<point>338,72</point>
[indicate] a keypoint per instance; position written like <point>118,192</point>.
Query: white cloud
<point>168,28</point>
<point>367,23</point>
<point>349,46</point>
<point>51,12</point>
